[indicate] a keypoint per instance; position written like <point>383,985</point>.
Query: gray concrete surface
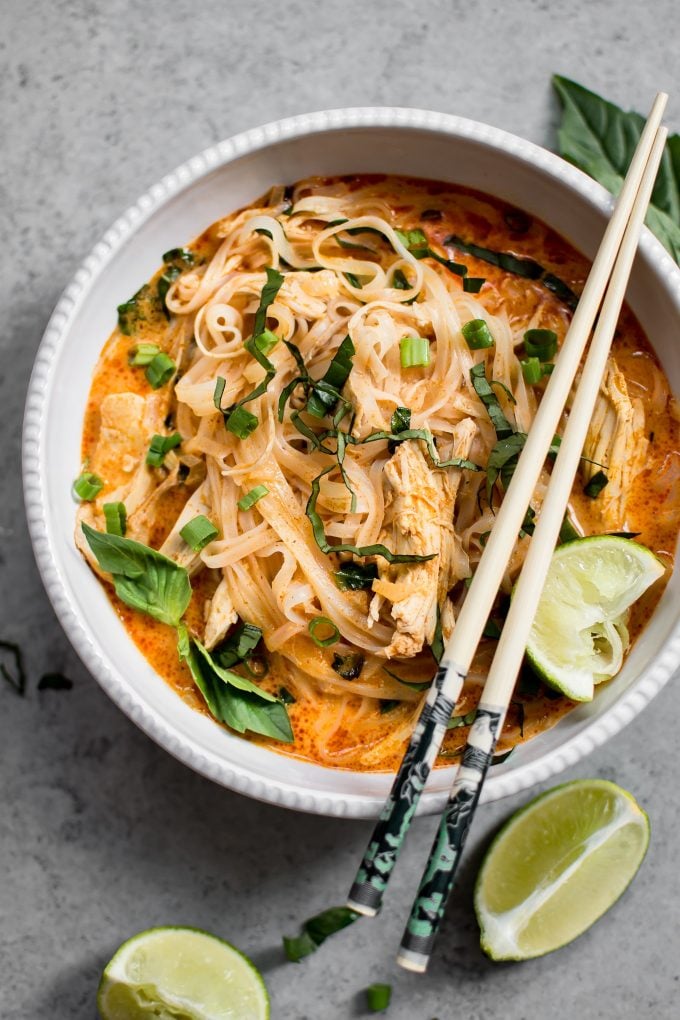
<point>102,833</point>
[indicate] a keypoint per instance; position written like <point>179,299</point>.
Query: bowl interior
<point>473,156</point>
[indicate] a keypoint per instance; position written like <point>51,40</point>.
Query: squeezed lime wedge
<point>556,866</point>
<point>579,634</point>
<point>181,974</point>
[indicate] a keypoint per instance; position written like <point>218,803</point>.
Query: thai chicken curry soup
<point>297,438</point>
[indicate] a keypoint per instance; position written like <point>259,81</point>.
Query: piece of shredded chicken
<point>617,441</point>
<point>419,520</point>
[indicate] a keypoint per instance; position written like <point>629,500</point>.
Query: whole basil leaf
<point>231,698</point>
<point>143,578</point>
<point>600,138</point>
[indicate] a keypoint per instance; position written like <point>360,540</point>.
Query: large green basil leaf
<point>600,138</point>
<point>143,578</point>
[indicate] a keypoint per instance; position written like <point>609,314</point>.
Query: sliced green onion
<point>477,334</point>
<point>461,720</point>
<point>143,354</point>
<point>87,486</point>
<point>378,997</point>
<point>286,697</point>
<point>414,351</point>
<point>160,370</point>
<point>540,343</point>
<point>353,280</point>
<point>241,422</point>
<point>252,497</point>
<point>198,532</point>
<point>548,368</point>
<point>115,516</point>
<point>532,370</point>
<point>159,446</point>
<point>473,284</point>
<point>266,341</point>
<point>356,576</point>
<point>349,667</point>
<point>323,623</point>
<point>596,484</point>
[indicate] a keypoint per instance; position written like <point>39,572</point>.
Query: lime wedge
<point>579,635</point>
<point>181,974</point>
<point>556,866</point>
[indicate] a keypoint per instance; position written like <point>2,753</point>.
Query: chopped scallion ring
<point>378,997</point>
<point>87,486</point>
<point>540,343</point>
<point>159,446</point>
<point>324,624</point>
<point>414,351</point>
<point>241,422</point>
<point>143,354</point>
<point>252,497</point>
<point>532,370</point>
<point>115,516</point>
<point>160,370</point>
<point>473,284</point>
<point>198,532</point>
<point>266,341</point>
<point>477,334</point>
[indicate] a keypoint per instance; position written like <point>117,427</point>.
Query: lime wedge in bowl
<point>556,866</point>
<point>181,972</point>
<point>579,634</point>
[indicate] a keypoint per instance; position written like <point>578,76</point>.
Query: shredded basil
<point>349,666</point>
<point>356,576</point>
<point>416,243</point>
<point>322,401</point>
<point>484,390</point>
<point>364,550</point>
<point>524,267</point>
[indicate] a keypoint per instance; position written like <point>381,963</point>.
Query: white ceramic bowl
<point>172,212</point>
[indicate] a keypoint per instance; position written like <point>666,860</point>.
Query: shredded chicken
<point>616,439</point>
<point>419,511</point>
<point>219,615</point>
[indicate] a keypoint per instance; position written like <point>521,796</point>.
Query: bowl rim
<point>230,773</point>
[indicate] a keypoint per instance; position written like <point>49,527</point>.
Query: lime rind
<point>581,892</point>
<point>579,635</point>
<point>181,973</point>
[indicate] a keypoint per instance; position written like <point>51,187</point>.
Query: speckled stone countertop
<point>101,832</point>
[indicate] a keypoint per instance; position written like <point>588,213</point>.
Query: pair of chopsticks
<point>604,293</point>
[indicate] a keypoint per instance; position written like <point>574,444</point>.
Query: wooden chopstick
<point>383,849</point>
<point>438,877</point>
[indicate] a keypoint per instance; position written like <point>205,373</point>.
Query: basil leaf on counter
<point>316,930</point>
<point>143,578</point>
<point>599,138</point>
